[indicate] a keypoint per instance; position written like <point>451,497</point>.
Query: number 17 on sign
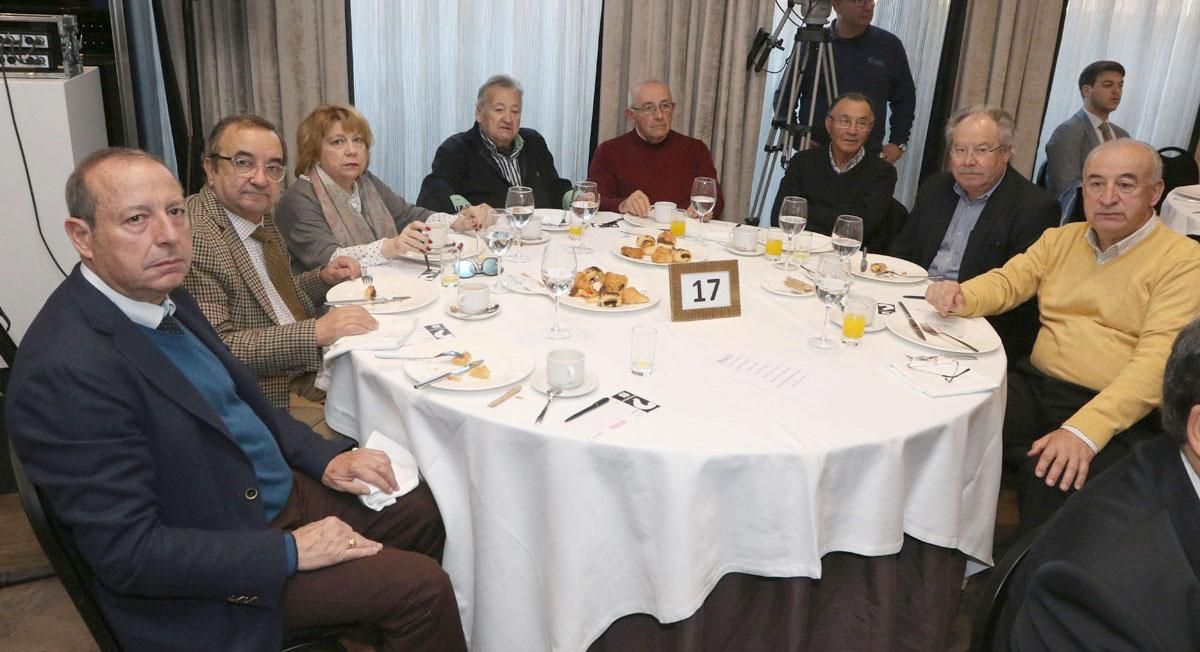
<point>705,290</point>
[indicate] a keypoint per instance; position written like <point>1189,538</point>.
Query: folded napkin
<point>391,333</point>
<point>931,384</point>
<point>403,465</point>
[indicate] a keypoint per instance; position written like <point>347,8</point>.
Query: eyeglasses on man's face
<point>982,151</point>
<point>1098,186</point>
<point>244,166</point>
<point>845,122</point>
<point>649,108</point>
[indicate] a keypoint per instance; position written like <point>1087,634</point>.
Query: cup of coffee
<point>745,237</point>
<point>473,298</point>
<point>664,211</point>
<point>532,230</point>
<point>564,368</point>
<point>439,234</point>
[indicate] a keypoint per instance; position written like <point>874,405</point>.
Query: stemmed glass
<point>847,236</point>
<point>585,201</point>
<point>520,207</point>
<point>833,281</point>
<point>793,216</point>
<point>704,199</point>
<point>499,236</point>
<point>558,273</point>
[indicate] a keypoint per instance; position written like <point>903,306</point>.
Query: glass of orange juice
<point>679,224</point>
<point>856,317</point>
<point>576,225</point>
<point>774,245</point>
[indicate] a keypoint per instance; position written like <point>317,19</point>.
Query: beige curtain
<point>1007,60</point>
<point>277,59</point>
<point>698,47</point>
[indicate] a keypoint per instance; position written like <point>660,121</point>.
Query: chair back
<point>995,593</point>
<point>893,224</point>
<point>1040,177</point>
<point>56,542</point>
<point>1179,169</point>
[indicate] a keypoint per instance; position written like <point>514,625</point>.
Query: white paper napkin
<point>403,465</point>
<point>934,385</point>
<point>391,333</point>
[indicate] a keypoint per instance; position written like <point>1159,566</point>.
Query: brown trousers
<point>402,589</point>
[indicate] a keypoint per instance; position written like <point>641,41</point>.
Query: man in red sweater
<point>652,162</point>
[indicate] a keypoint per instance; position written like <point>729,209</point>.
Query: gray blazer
<point>302,223</point>
<point>1067,149</point>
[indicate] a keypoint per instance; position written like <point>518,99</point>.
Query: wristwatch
<point>903,146</point>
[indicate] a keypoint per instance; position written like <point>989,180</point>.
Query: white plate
<point>877,323</point>
<point>420,293</point>
<point>553,219</point>
<point>537,380</point>
<point>907,272</point>
<point>820,243</point>
<point>536,241</point>
<point>452,310</point>
<point>469,243</point>
<point>699,253</point>
<point>507,362</point>
<point>976,331</point>
<point>646,222</point>
<point>774,285</point>
<point>758,250</point>
<point>579,303</point>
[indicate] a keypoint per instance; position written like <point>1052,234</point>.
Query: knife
<point>512,391</point>
<point>364,302</point>
<point>460,370</point>
<point>587,409</point>
<point>912,322</point>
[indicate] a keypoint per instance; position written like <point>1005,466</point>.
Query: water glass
<point>559,265</point>
<point>793,217</point>
<point>704,200</point>
<point>499,236</point>
<point>832,281</point>
<point>847,235</point>
<point>519,203</point>
<point>641,350</point>
<point>585,201</point>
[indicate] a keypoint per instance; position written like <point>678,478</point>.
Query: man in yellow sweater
<point>1113,293</point>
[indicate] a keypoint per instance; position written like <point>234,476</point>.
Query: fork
<point>933,331</point>
<point>367,278</point>
<point>387,355</point>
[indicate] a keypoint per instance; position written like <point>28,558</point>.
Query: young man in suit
<point>211,519</point>
<point>979,215</point>
<point>1119,567</point>
<point>1101,85</point>
<point>241,274</point>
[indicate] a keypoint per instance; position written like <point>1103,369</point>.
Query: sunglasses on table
<point>470,267</point>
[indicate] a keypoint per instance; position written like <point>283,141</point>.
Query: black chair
<point>1040,177</point>
<point>994,595</point>
<point>75,575</point>
<point>893,224</point>
<point>1179,169</point>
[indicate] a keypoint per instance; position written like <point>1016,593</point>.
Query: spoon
<point>554,391</point>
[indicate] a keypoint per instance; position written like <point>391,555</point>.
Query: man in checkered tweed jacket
<point>241,277</point>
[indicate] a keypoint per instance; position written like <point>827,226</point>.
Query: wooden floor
<point>39,617</point>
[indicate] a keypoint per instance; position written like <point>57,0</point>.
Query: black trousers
<point>1037,406</point>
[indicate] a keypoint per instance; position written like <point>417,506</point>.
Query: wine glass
<point>520,207</point>
<point>585,201</point>
<point>847,236</point>
<point>833,281</point>
<point>499,236</point>
<point>793,216</point>
<point>558,273</point>
<point>704,199</point>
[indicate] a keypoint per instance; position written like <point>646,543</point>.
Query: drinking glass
<point>857,314</point>
<point>793,216</point>
<point>847,236</point>
<point>558,273</point>
<point>833,281</point>
<point>803,247</point>
<point>774,245</point>
<point>679,223</point>
<point>704,199</point>
<point>575,230</point>
<point>499,236</point>
<point>520,207</point>
<point>585,201</point>
<point>641,350</point>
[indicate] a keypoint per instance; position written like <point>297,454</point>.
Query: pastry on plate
<point>481,372</point>
<point>645,241</point>
<point>614,282</point>
<point>667,238</point>
<point>681,256</point>
<point>609,300</point>
<point>796,285</point>
<point>461,359</point>
<point>631,295</point>
<point>370,292</point>
<point>662,254</point>
<point>633,252</point>
<point>879,268</point>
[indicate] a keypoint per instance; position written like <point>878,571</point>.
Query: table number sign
<point>705,290</point>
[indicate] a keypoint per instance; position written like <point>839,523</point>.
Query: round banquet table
<point>1181,210</point>
<point>555,531</point>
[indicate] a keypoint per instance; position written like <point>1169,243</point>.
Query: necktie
<point>170,325</point>
<point>1106,131</point>
<point>278,272</point>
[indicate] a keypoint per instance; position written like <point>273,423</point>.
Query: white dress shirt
<point>244,227</point>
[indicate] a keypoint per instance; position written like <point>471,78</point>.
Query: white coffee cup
<point>745,237</point>
<point>664,211</point>
<point>473,298</point>
<point>439,233</point>
<point>564,368</point>
<point>532,230</point>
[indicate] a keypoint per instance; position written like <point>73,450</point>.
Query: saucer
<point>452,310</point>
<point>537,380</point>
<point>543,239</point>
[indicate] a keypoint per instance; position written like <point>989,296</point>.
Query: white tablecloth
<point>1181,210</point>
<point>555,531</point>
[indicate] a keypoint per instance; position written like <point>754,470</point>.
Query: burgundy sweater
<point>664,171</point>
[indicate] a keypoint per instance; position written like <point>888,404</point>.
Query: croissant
<point>681,256</point>
<point>633,252</point>
<point>667,238</point>
<point>645,241</point>
<point>610,300</point>
<point>631,295</point>
<point>614,282</point>
<point>662,254</point>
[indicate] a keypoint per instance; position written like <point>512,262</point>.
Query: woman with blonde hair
<point>338,208</point>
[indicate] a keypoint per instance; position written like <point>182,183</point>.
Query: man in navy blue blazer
<point>211,519</point>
